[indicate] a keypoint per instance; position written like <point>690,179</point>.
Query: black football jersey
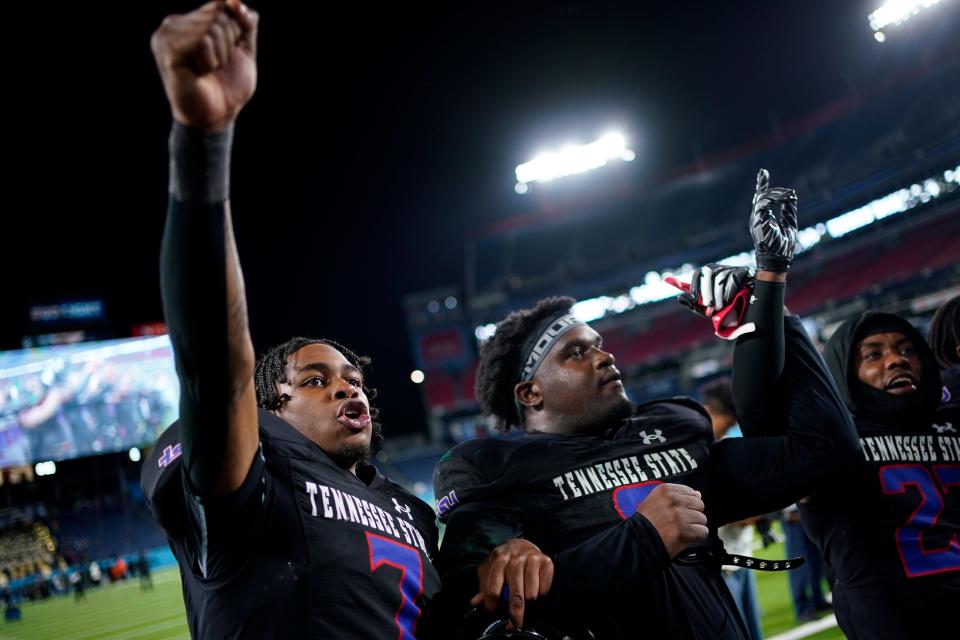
<point>302,549</point>
<point>890,530</point>
<point>576,497</point>
<point>889,527</point>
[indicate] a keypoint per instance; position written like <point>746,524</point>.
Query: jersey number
<point>407,559</point>
<point>627,498</point>
<point>918,561</point>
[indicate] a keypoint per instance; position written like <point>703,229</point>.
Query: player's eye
<point>355,382</point>
<point>315,381</point>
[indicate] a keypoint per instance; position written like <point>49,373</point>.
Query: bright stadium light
<point>46,468</point>
<point>134,454</point>
<point>485,332</point>
<point>416,376</point>
<point>895,12</point>
<point>573,159</point>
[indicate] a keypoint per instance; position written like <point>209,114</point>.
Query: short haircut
<point>718,395</point>
<point>500,359</point>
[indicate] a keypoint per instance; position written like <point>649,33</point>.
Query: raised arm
<point>207,61</point>
<point>785,397</point>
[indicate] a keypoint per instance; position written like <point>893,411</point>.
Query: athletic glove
<point>774,237</point>
<point>721,293</point>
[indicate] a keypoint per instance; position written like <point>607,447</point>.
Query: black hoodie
<point>868,405</point>
<point>889,530</point>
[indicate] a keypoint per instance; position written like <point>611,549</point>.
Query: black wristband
<point>773,262</point>
<point>199,164</point>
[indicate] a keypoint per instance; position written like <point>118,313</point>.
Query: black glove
<point>773,238</point>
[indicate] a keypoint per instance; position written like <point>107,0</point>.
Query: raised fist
<point>207,61</point>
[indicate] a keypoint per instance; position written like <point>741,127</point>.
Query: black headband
<point>541,340</point>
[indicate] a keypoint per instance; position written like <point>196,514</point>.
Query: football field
<point>111,612</point>
<point>124,612</point>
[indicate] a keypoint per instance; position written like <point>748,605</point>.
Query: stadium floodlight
<point>46,468</point>
<point>416,376</point>
<point>573,159</point>
<point>894,12</point>
<point>134,454</point>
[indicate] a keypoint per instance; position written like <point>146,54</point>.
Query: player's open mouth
<point>354,414</point>
<point>902,384</point>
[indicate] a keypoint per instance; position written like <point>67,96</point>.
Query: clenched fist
<point>676,511</point>
<point>207,61</point>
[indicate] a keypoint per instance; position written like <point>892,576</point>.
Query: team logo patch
<point>169,455</point>
<point>944,428</point>
<point>655,437</point>
<point>446,504</point>
<point>402,509</point>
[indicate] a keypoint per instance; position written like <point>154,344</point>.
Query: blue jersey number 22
<point>917,560</point>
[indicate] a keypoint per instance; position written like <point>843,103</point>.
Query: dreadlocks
<point>945,334</point>
<point>500,359</point>
<point>271,371</point>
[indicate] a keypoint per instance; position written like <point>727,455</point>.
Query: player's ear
<point>528,394</point>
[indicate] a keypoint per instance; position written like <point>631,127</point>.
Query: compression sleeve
<point>755,475</point>
<point>193,285</point>
<point>758,359</point>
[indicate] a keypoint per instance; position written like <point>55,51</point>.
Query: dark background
<point>380,137</point>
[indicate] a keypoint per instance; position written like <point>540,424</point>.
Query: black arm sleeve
<point>758,361</point>
<point>755,475</point>
<point>193,284</point>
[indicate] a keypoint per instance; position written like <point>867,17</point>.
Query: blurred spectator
<point>737,537</point>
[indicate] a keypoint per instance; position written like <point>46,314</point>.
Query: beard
<point>617,412</point>
<point>347,456</point>
<point>597,420</point>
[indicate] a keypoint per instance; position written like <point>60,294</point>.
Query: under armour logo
<point>169,455</point>
<point>749,563</point>
<point>657,436</point>
<point>402,508</point>
<point>944,428</point>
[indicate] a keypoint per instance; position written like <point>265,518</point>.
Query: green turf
<point>112,612</point>
<point>123,612</point>
<point>776,605</point>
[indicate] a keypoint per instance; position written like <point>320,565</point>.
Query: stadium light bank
<point>895,12</point>
<point>573,159</point>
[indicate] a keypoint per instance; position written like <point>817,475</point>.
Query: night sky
<point>379,137</point>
